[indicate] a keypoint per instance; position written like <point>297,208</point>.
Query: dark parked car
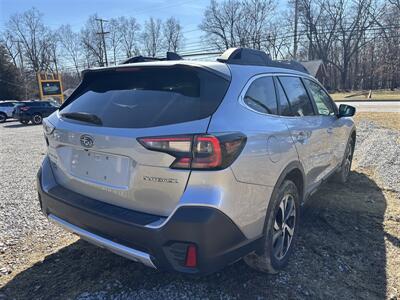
<point>34,111</point>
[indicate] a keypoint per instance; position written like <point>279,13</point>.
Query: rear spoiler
<point>135,59</point>
<point>140,58</point>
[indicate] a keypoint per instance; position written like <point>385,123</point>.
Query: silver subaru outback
<point>190,165</point>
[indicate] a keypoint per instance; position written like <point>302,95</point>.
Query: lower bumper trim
<point>116,248</point>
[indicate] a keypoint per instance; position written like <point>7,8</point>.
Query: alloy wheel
<point>284,226</point>
<point>37,119</point>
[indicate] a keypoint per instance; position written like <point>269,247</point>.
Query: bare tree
<point>396,3</point>
<point>219,23</point>
<point>173,36</point>
<point>71,46</point>
<point>256,17</point>
<point>233,23</point>
<point>34,36</point>
<point>152,37</point>
<point>129,29</point>
<point>92,43</point>
<point>12,48</point>
<point>337,30</point>
<point>115,38</point>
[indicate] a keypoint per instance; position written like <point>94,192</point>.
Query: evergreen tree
<point>10,81</point>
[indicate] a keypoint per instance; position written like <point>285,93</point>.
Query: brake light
<point>24,108</point>
<point>198,152</point>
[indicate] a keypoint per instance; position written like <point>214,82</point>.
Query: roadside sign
<point>50,86</point>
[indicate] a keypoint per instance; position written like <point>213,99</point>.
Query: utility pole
<point>103,33</point>
<point>296,20</point>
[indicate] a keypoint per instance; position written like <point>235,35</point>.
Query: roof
<point>313,66</point>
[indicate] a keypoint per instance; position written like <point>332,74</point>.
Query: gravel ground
<point>349,243</point>
<point>378,147</point>
<point>22,149</point>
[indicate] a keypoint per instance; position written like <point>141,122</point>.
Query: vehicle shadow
<point>17,125</point>
<point>340,254</point>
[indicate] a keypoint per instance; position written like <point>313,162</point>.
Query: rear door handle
<point>329,130</point>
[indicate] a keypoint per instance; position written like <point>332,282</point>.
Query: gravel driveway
<point>349,244</point>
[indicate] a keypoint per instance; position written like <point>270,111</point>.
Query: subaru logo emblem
<point>86,141</point>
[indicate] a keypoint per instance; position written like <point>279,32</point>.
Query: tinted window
<point>149,96</point>
<point>297,96</point>
<point>7,104</point>
<point>33,104</point>
<point>261,96</point>
<point>322,100</point>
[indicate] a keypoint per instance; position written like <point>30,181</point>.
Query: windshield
<point>148,96</point>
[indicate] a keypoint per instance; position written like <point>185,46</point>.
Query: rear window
<point>148,96</point>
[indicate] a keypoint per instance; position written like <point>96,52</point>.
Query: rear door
<point>305,126</point>
<point>105,161</point>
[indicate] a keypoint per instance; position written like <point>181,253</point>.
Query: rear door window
<point>142,97</point>
<point>296,93</point>
<point>261,97</point>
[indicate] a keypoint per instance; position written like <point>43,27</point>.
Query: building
<point>317,69</point>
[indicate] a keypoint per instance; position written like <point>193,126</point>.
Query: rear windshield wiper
<point>84,117</point>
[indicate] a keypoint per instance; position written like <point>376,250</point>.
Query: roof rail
<point>140,58</point>
<point>246,56</point>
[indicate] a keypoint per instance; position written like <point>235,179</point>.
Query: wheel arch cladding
<point>294,172</point>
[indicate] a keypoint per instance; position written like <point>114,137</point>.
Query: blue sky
<point>75,12</point>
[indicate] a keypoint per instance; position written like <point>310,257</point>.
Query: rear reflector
<point>198,152</point>
<point>191,257</point>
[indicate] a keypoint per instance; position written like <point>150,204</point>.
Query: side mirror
<point>346,110</point>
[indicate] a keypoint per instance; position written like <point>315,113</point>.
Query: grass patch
<point>388,120</point>
<point>376,95</point>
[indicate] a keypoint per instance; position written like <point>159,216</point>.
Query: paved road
<point>374,106</point>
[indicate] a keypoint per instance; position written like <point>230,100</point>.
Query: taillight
<point>198,152</point>
<point>24,108</point>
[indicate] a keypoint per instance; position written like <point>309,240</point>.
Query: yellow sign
<point>50,86</point>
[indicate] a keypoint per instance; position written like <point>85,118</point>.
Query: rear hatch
<point>94,146</point>
<point>17,110</point>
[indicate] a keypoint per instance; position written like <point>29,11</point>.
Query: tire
<point>25,122</point>
<point>37,119</point>
<point>342,175</point>
<point>3,117</point>
<point>278,243</point>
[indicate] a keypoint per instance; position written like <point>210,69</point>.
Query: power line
<point>302,34</point>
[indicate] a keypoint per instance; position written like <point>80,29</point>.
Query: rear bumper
<point>217,239</point>
<point>22,116</point>
<point>119,249</point>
